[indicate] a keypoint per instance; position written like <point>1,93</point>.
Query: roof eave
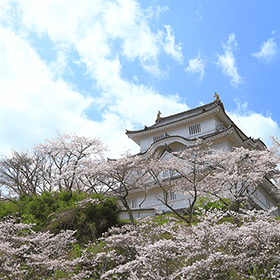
<point>151,128</point>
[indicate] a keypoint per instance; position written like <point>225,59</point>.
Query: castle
<point>176,132</point>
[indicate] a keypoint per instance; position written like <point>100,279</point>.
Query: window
<point>159,137</point>
<point>134,203</point>
<point>166,174</point>
<point>194,129</point>
<point>220,127</point>
<point>267,202</point>
<point>170,195</point>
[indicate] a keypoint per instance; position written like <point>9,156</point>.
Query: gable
<point>209,122</point>
<point>187,131</point>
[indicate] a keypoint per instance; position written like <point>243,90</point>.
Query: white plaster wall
<point>225,146</point>
<point>207,126</point>
<point>137,214</point>
<point>145,144</point>
<point>181,201</point>
<point>151,201</point>
<point>260,198</point>
<point>183,131</point>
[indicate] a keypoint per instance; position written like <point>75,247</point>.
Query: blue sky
<point>96,68</point>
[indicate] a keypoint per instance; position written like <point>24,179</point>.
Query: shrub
<point>62,210</point>
<point>206,203</point>
<point>90,217</point>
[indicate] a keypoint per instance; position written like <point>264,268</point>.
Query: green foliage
<point>206,203</point>
<point>58,211</point>
<point>90,221</point>
<point>159,220</point>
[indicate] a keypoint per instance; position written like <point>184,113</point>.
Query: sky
<point>96,68</point>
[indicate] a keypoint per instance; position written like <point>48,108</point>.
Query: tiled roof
<point>180,116</point>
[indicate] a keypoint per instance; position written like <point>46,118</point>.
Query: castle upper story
<point>209,122</point>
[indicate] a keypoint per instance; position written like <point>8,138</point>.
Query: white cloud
<point>126,21</point>
<point>170,47</point>
<point>254,124</point>
<point>227,61</point>
<point>99,24</point>
<point>32,104</point>
<point>36,102</point>
<point>59,66</point>
<point>196,65</point>
<point>268,52</point>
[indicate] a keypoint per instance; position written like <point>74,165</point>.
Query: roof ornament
<point>158,116</point>
<point>217,96</point>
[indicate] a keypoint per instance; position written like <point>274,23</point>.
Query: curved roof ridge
<point>179,116</point>
<point>204,137</point>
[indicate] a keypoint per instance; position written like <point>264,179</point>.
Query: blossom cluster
<point>159,248</point>
<point>26,254</point>
<point>214,248</point>
<point>85,202</point>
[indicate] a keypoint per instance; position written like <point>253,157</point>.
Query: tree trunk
<point>125,204</point>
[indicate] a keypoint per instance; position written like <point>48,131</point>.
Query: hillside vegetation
<point>89,215</point>
<point>60,205</point>
<point>162,247</point>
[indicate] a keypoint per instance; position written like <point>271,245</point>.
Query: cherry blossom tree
<point>59,163</point>
<point>215,248</point>
<point>231,177</point>
<point>184,172</point>
<point>26,254</point>
<point>20,174</point>
<point>68,156</point>
<point>160,172</point>
<point>121,176</point>
<point>239,173</point>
